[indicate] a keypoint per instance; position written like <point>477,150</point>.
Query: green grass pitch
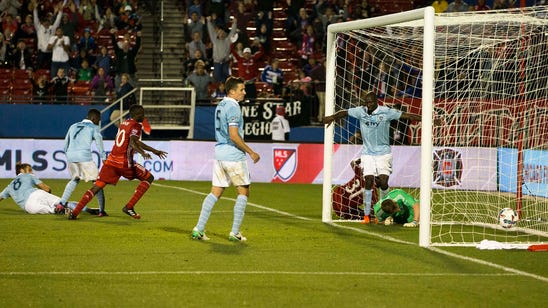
<point>291,258</point>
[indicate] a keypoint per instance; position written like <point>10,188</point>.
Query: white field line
<point>382,236</point>
<point>251,273</point>
<point>511,271</point>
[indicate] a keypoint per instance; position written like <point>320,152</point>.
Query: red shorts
<point>110,174</point>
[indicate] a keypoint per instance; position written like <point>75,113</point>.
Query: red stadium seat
<point>81,93</point>
<point>21,96</point>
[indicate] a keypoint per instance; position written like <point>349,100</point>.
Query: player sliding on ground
<point>120,163</point>
<point>376,154</point>
<point>398,207</point>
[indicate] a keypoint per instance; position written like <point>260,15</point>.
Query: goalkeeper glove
<point>412,224</point>
<point>389,221</point>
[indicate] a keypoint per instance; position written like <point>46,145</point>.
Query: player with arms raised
<point>120,163</point>
<point>376,154</point>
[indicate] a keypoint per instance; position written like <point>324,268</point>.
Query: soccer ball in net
<point>508,218</point>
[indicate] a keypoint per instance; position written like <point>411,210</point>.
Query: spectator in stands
<point>195,24</point>
<point>219,92</point>
<point>274,76</point>
<point>221,10</point>
<point>195,7</point>
<point>128,20</point>
<point>221,48</point>
<point>60,48</point>
<point>26,29</point>
<point>248,69</point>
<point>122,90</point>
<point>85,73</point>
<point>317,74</point>
<point>264,18</point>
<point>10,23</point>
<point>21,57</point>
<point>190,64</point>
<point>503,4</point>
<point>10,7</point>
<point>40,88</point>
<point>297,27</point>
<point>307,45</point>
<point>125,57</point>
<point>59,85</point>
<point>103,60</point>
<point>4,51</point>
<point>440,6</point>
<point>69,24</point>
<point>200,80</point>
<point>457,6</point>
<point>264,37</point>
<point>87,42</point>
<point>45,30</point>
<point>481,6</point>
<point>244,15</point>
<point>293,11</point>
<point>86,10</point>
<point>107,21</point>
<point>196,44</point>
<point>101,85</point>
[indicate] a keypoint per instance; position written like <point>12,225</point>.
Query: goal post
<point>332,31</point>
<point>484,76</point>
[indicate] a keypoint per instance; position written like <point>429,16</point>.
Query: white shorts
<point>86,171</point>
<point>41,202</point>
<point>227,172</point>
<point>377,164</point>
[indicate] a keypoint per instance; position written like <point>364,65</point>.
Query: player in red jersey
<point>347,198</point>
<point>120,163</point>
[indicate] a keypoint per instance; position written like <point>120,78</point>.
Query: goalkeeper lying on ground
<point>397,207</point>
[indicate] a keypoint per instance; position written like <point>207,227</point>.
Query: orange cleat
<point>366,220</point>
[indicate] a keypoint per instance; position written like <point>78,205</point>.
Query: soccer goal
<point>480,82</point>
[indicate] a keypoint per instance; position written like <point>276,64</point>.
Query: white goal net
<point>484,77</point>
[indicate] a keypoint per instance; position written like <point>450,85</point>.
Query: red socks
<point>86,198</point>
<point>139,192</point>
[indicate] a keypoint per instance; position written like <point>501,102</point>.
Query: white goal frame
<point>427,15</point>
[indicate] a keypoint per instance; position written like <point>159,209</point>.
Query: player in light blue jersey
<point>33,195</point>
<point>230,166</point>
<point>376,155</point>
<point>78,142</point>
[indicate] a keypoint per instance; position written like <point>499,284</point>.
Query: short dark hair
<point>93,112</point>
<point>134,109</point>
<point>19,166</point>
<point>370,96</point>
<point>232,82</point>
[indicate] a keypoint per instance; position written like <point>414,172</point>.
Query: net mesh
<point>490,94</point>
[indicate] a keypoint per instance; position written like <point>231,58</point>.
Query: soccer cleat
<point>131,213</point>
<point>59,209</point>
<point>92,211</point>
<point>366,220</point>
<point>102,213</point>
<point>70,215</point>
<point>199,235</point>
<point>236,237</point>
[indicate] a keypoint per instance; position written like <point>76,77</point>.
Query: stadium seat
<point>81,93</point>
<point>21,96</point>
<point>21,83</point>
<point>20,74</point>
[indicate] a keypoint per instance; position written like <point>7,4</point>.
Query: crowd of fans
<point>85,46</point>
<point>59,51</point>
